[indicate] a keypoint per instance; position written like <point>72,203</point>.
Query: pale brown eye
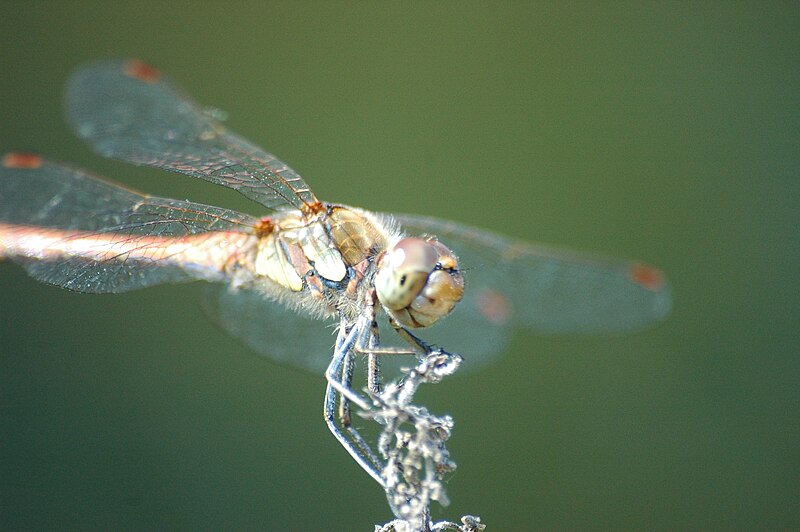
<point>418,282</point>
<point>404,272</point>
<point>440,295</point>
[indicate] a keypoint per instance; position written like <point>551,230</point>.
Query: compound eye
<point>404,271</point>
<point>418,282</point>
<point>441,293</point>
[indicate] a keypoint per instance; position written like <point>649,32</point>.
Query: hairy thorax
<point>322,264</point>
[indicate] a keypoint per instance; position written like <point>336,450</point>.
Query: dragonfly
<point>271,279</point>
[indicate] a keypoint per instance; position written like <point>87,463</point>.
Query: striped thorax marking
<point>326,245</point>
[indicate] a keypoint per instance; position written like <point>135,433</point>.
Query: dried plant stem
<point>412,443</point>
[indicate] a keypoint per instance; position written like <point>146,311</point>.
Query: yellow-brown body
<point>316,263</point>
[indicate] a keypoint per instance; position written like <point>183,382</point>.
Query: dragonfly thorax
<point>323,262</point>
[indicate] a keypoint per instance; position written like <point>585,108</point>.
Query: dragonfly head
<point>418,282</point>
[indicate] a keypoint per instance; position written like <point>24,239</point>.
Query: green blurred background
<point>666,132</point>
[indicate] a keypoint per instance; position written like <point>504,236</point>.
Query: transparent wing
<point>511,283</point>
<point>126,110</point>
<point>276,332</point>
<point>78,231</point>
<point>270,329</point>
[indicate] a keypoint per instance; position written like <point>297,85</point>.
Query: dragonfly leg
<point>344,412</point>
<point>373,347</point>
<point>370,345</point>
<point>344,346</point>
<point>419,345</point>
<point>347,379</point>
<point>373,362</point>
<point>352,441</point>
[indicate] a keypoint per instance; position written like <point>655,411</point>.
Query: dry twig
<point>413,445</point>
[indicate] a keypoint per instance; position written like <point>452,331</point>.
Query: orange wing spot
<point>28,161</point>
<point>141,71</point>
<point>646,276</point>
<point>494,306</point>
<point>313,208</point>
<point>264,227</point>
